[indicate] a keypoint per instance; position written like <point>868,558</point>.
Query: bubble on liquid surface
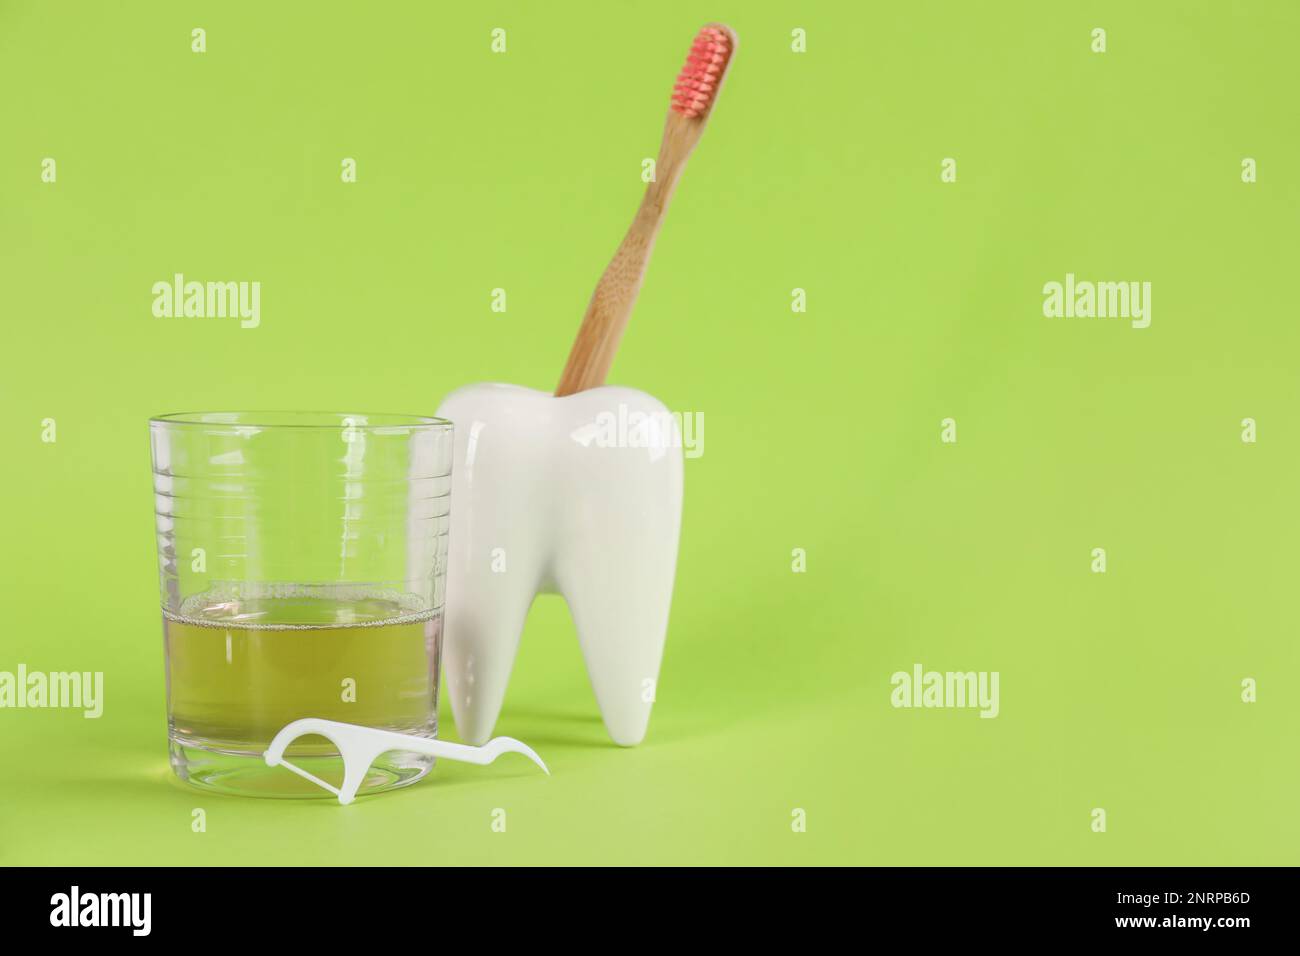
<point>289,606</point>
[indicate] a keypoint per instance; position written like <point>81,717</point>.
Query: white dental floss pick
<point>359,746</point>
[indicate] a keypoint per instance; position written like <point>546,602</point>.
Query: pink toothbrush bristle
<point>698,82</point>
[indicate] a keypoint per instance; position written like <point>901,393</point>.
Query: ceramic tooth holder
<point>547,502</point>
<point>579,495</point>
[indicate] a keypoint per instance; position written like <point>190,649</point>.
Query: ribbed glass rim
<point>302,419</point>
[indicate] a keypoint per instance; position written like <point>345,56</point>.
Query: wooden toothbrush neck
<point>611,304</point>
<point>680,137</point>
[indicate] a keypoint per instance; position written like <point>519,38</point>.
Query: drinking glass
<point>302,560</point>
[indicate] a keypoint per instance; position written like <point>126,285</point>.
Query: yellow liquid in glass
<point>239,669</point>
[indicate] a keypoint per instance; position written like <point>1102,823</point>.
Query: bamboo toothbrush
<point>694,94</point>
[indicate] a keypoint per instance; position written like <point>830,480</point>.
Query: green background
<point>819,171</point>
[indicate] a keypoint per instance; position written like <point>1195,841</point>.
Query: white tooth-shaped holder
<point>359,746</point>
<point>579,495</point>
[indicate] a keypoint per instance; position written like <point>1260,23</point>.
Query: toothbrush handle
<point>611,304</point>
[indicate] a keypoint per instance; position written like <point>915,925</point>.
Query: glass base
<point>245,774</point>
